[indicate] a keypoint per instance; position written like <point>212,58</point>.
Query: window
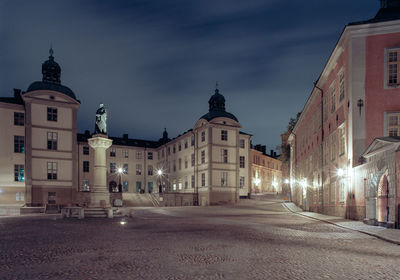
<point>203,156</point>
<point>174,185</point>
<point>138,186</point>
<point>52,140</point>
<point>150,187</point>
<point>333,146</point>
<point>158,155</point>
<point>224,135</point>
<point>224,179</point>
<point>169,151</point>
<point>180,184</point>
<point>125,168</point>
<point>186,162</point>
<point>180,164</point>
<point>393,124</point>
<point>112,167</point>
<point>51,114</point>
<point>162,153</point>
<point>19,196</point>
<point>241,161</point>
<point>138,155</point>
<point>85,166</point>
<point>112,152</point>
<point>341,192</point>
<point>186,143</point>
<point>85,185</point>
<point>203,136</point>
<point>193,182</point>
<point>19,146</point>
<point>203,179</point>
<point>52,170</point>
<point>224,155</point>
<point>174,166</point>
<point>186,182</point>
<point>179,146</point>
<point>125,186</point>
<point>19,118</point>
<point>342,87</point>
<point>150,170</point>
<point>192,140</point>
<point>85,150</point>
<point>393,67</point>
<point>138,169</point>
<point>241,143</point>
<point>150,155</point>
<point>325,107</point>
<point>333,192</point>
<point>333,97</point>
<point>19,175</point>
<point>125,153</point>
<point>192,160</point>
<point>241,182</point>
<point>174,149</point>
<point>342,141</point>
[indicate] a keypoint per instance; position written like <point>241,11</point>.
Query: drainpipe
<point>322,145</point>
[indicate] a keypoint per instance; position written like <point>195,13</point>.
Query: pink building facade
<point>355,100</point>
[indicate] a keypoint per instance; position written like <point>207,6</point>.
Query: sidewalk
<point>389,235</point>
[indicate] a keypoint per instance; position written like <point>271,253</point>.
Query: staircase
<point>155,199</point>
<point>96,213</point>
<point>136,200</point>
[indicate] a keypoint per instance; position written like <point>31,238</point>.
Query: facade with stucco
<point>45,161</point>
<point>355,100</point>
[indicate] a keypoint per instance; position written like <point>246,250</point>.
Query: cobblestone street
<point>252,240</point>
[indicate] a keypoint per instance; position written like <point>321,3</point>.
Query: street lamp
<point>120,171</point>
<point>159,174</point>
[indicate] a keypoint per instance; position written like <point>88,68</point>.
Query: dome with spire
<point>217,108</point>
<point>51,79</point>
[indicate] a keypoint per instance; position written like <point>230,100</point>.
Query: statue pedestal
<point>99,195</point>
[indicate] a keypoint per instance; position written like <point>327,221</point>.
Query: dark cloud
<point>155,63</point>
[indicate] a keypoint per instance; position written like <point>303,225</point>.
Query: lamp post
<point>120,171</point>
<point>159,174</point>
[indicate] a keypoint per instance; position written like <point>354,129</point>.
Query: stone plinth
<point>99,195</point>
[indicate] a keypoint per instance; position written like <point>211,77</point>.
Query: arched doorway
<point>382,195</point>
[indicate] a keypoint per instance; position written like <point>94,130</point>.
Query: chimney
<point>272,153</point>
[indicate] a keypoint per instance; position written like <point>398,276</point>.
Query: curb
<point>344,227</point>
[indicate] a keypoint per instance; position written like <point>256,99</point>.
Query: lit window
<point>52,140</point>
<point>180,184</point>
<point>51,114</point>
<point>85,185</point>
<point>85,166</point>
<point>224,135</point>
<point>19,118</point>
<point>52,170</point>
<point>19,175</point>
<point>85,150</point>
<point>112,152</point>
<point>19,196</point>
<point>19,146</point>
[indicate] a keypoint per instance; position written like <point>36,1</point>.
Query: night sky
<point>154,63</point>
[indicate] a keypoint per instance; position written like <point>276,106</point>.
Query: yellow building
<point>266,171</point>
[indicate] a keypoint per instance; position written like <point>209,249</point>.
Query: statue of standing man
<point>101,120</point>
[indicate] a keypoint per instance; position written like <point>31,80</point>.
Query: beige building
<point>53,164</point>
<point>266,171</point>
